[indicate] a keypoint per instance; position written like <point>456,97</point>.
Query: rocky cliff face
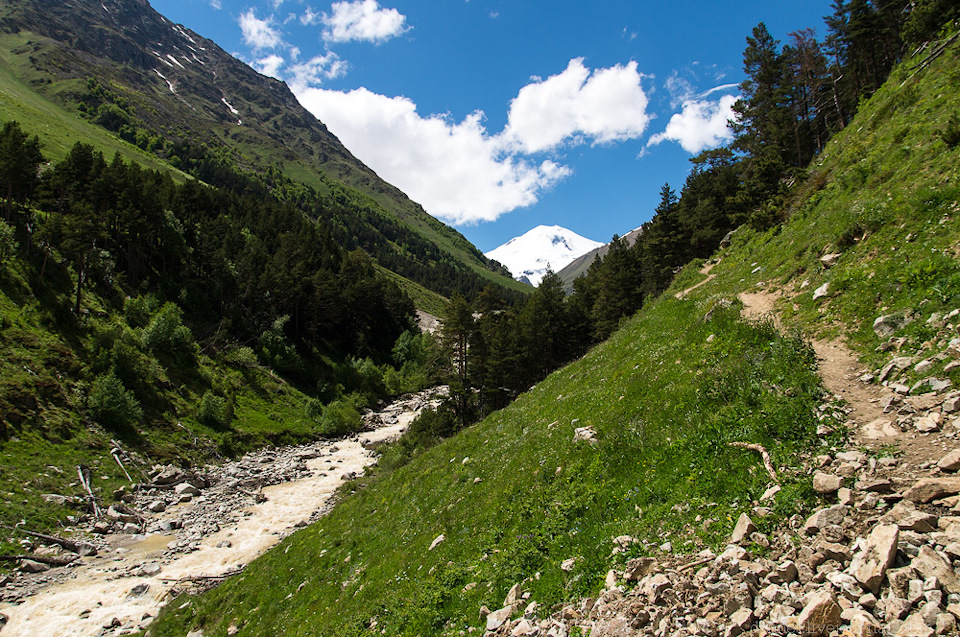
<point>131,47</point>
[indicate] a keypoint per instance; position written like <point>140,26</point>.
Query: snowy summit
<point>529,256</point>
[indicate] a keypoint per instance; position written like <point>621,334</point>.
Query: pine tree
<point>764,129</point>
<point>20,159</point>
<point>455,335</point>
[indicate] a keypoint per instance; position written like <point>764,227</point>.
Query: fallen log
<point>203,578</point>
<point>83,548</point>
<point>86,480</point>
<point>43,559</point>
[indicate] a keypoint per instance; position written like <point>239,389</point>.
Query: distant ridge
<point>581,264</point>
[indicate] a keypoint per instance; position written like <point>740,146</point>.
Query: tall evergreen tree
<point>764,129</point>
<point>20,159</point>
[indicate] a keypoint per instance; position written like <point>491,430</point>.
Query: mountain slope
<point>540,249</point>
<point>178,95</point>
<point>581,264</point>
<point>419,551</point>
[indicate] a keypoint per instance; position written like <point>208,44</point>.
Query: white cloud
<point>604,105</point>
<point>269,65</point>
<point>456,170</point>
<point>362,20</point>
<point>259,34</point>
<point>216,4</point>
<point>679,88</point>
<point>702,124</point>
<point>310,17</point>
<point>315,70</point>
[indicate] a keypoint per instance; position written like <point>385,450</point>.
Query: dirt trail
<point>110,594</point>
<point>839,367</point>
<point>841,370</point>
<point>704,270</point>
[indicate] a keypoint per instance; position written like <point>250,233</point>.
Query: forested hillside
<point>176,97</point>
<point>176,322</point>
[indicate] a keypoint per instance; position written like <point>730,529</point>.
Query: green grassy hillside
<point>514,495</point>
<point>58,129</point>
<point>885,197</point>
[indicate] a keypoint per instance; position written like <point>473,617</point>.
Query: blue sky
<point>501,115</point>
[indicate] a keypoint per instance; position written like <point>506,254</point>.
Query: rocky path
<point>199,528</point>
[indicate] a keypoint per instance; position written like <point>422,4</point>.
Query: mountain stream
<point>122,588</point>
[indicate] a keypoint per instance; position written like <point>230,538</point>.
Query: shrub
<point>242,356</point>
<point>111,404</point>
<point>167,336</point>
<point>342,416</point>
<point>276,350</point>
<point>139,309</point>
<point>214,410</point>
<point>369,380</point>
<point>408,379</point>
<point>8,242</point>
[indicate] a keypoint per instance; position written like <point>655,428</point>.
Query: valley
<point>250,505</point>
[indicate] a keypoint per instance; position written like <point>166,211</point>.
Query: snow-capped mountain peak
<point>529,256</point>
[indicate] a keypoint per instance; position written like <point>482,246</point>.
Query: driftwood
<point>767,464</point>
<point>116,456</point>
<point>257,497</point>
<point>43,559</point>
<point>691,565</point>
<point>83,548</point>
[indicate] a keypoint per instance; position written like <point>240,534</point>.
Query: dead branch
<point>767,463</point>
<point>257,497</point>
<point>85,480</point>
<point>203,578</point>
<point>937,52</point>
<point>116,456</point>
<point>691,565</point>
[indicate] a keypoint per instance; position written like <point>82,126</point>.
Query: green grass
<point>425,300</point>
<point>57,128</point>
<point>664,401</point>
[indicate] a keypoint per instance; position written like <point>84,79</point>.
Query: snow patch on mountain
<point>529,256</point>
